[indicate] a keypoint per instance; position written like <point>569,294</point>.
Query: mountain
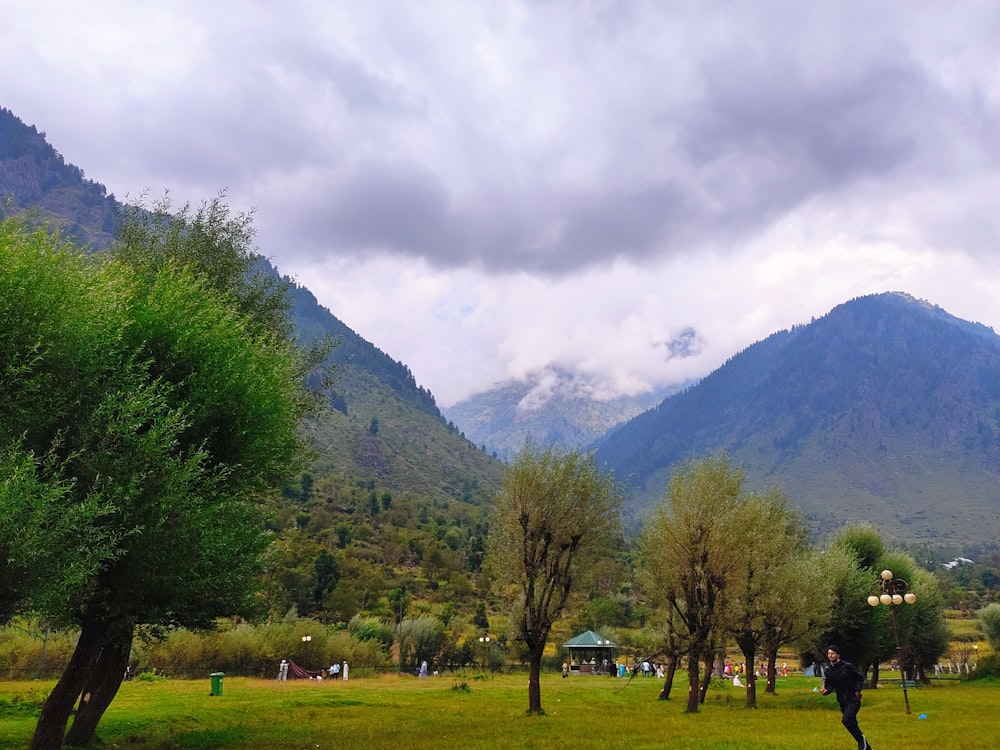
<point>382,430</point>
<point>886,409</point>
<point>550,406</point>
<point>36,180</point>
<point>382,426</point>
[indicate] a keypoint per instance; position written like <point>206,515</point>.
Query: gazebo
<point>590,653</point>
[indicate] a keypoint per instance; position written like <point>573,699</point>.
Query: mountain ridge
<point>888,403</point>
<point>383,428</point>
<point>549,406</point>
<point>885,409</point>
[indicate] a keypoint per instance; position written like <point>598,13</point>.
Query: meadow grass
<point>471,711</point>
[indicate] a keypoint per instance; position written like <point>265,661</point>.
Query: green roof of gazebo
<point>590,639</point>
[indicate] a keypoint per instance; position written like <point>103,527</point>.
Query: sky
<point>487,190</point>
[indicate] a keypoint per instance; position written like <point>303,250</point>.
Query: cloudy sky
<point>633,191</point>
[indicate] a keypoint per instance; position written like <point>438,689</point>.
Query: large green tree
<point>50,356</point>
<point>989,624</point>
<point>802,612</point>
<point>920,626</point>
<point>691,548</point>
<point>553,509</point>
<point>166,430</point>
<point>850,570</point>
<point>763,598</point>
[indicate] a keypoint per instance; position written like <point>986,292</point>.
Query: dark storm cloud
<point>761,129</point>
<point>394,208</point>
<point>763,138</point>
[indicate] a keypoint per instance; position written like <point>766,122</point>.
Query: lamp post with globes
<point>484,642</point>
<point>895,591</point>
<point>305,647</point>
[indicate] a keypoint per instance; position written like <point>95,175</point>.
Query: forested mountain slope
<point>886,409</point>
<point>396,498</point>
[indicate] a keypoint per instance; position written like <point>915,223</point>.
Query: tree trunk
<point>101,685</point>
<point>772,671</point>
<point>534,683</point>
<point>669,681</point>
<point>874,680</point>
<point>706,679</point>
<point>751,683</point>
<point>51,726</point>
<point>694,693</point>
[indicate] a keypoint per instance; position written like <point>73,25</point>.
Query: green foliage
<point>21,706</point>
<point>927,638</point>
<point>161,403</point>
<point>690,553</point>
<point>989,623</point>
<point>419,639</point>
<point>862,631</point>
<point>879,410</point>
<point>30,649</point>
<point>372,629</point>
<point>553,511</point>
<point>215,242</point>
<point>988,668</point>
<point>255,650</point>
<point>862,541</point>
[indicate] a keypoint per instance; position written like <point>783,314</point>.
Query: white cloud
<point>486,189</point>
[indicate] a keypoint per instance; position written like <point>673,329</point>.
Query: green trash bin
<point>217,682</point>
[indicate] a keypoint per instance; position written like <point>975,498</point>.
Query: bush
<point>987,668</point>
<point>28,651</point>
<point>989,624</point>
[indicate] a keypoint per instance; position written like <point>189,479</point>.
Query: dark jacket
<point>844,679</point>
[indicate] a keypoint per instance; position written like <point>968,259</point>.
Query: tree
<point>690,547</point>
<point>50,353</point>
<point>989,624</point>
<point>803,611</point>
<point>552,511</point>
<point>922,630</point>
<point>849,565</point>
<point>172,412</point>
<point>41,544</point>
<point>763,595</point>
<point>216,242</point>
<point>929,637</point>
<point>420,639</point>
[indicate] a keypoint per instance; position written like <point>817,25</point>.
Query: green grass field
<point>467,712</point>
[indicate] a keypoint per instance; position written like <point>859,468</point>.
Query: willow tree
<point>850,565</point>
<point>552,511</point>
<point>776,595</point>
<point>803,609</point>
<point>163,414</point>
<point>47,545</point>
<point>691,547</point>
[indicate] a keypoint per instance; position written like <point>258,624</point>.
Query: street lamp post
<point>895,591</point>
<point>484,642</point>
<point>305,646</point>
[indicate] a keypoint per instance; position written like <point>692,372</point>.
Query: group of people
<point>616,669</point>
<point>335,670</point>
<point>651,669</point>
<point>733,671</point>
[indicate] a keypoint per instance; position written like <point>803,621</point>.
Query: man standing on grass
<point>844,679</point>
